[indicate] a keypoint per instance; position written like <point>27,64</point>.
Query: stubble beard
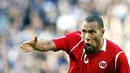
<point>91,49</point>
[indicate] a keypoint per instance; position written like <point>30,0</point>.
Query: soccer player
<point>88,51</point>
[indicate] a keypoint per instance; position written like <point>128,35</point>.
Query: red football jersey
<point>111,59</point>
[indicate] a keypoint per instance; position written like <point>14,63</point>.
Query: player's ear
<point>102,31</point>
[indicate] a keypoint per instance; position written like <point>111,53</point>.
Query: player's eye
<point>92,31</point>
<point>84,31</point>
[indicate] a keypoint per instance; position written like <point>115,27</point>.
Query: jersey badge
<point>102,64</point>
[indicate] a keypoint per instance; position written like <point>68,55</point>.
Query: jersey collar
<point>104,45</point>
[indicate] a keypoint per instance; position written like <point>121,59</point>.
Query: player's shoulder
<point>113,47</point>
<point>74,35</point>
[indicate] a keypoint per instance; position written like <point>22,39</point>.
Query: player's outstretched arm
<point>39,45</point>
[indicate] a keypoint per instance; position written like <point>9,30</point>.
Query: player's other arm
<point>122,64</point>
<point>39,45</point>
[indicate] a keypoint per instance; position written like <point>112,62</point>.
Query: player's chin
<point>91,49</point>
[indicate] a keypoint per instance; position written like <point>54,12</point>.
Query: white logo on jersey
<point>102,64</point>
<point>84,56</point>
<point>85,61</point>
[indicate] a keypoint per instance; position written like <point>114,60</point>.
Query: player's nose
<point>87,38</point>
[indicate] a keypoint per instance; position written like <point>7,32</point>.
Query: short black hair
<point>95,18</point>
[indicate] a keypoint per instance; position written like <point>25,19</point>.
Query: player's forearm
<point>44,46</point>
<point>41,46</point>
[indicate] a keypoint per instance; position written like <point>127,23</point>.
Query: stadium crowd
<point>21,19</point>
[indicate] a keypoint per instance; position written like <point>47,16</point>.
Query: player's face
<point>92,35</point>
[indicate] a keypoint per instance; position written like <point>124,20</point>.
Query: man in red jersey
<point>88,51</point>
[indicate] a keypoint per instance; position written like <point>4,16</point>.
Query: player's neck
<point>100,44</point>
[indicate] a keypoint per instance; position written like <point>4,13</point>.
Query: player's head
<point>92,32</point>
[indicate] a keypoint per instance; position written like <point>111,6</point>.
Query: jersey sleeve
<point>67,42</point>
<point>61,43</point>
<point>122,64</point>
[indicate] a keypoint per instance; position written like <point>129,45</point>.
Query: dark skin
<point>93,36</point>
<point>91,33</point>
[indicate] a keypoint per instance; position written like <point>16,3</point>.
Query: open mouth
<point>88,45</point>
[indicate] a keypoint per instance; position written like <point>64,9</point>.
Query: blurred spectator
<point>127,27</point>
<point>4,25</point>
<point>28,65</point>
<point>53,18</point>
<point>69,23</point>
<point>120,10</point>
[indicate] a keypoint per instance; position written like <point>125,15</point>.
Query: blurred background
<point>20,20</point>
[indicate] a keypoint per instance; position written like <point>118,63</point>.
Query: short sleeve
<point>61,43</point>
<point>122,64</point>
<point>67,42</point>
